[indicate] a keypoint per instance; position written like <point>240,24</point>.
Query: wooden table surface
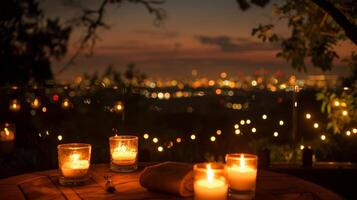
<point>44,185</point>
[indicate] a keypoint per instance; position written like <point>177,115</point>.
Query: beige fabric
<point>169,177</point>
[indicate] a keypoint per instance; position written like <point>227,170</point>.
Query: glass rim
<point>124,137</point>
<point>74,146</point>
<point>202,167</point>
<point>236,156</point>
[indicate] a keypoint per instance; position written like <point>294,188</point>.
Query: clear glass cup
<point>7,138</point>
<point>74,163</point>
<point>123,153</point>
<point>210,181</point>
<point>241,172</point>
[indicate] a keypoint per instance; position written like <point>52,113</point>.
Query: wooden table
<point>44,185</point>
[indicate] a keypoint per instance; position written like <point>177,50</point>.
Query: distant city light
<point>242,122</point>
<point>160,149</point>
<point>295,104</point>
<point>237,131</point>
<point>236,126</point>
<point>59,137</point>
<point>264,116</point>
<point>316,125</point>
<point>160,95</point>
<point>276,134</point>
<point>337,103</point>
<point>354,130</point>
<point>218,91</point>
<point>302,147</point>
<point>248,121</point>
<point>119,106</point>
<point>213,138</point>
<point>218,132</point>
<point>146,136</point>
<point>254,130</point>
<point>348,133</point>
<point>323,137</point>
<point>155,140</point>
<point>281,122</point>
<point>178,140</point>
<point>344,113</point>
<point>308,116</point>
<point>223,75</point>
<point>193,137</point>
<point>44,109</point>
<point>254,83</point>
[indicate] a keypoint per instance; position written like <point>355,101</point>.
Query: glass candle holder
<point>210,181</point>
<point>242,175</point>
<point>74,162</point>
<point>7,138</point>
<point>123,153</point>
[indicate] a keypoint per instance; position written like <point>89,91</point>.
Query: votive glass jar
<point>123,153</point>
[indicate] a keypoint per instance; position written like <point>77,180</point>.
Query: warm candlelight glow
<point>74,162</point>
<point>123,153</point>
<point>210,183</point>
<point>241,174</point>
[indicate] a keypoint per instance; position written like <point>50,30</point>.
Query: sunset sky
<point>208,35</point>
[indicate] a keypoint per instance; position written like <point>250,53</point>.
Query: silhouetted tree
<point>28,43</point>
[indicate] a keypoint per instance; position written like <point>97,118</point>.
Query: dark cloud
<point>229,44</point>
<point>159,33</point>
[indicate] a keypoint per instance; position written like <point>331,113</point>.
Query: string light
<point>236,126</point>
<point>276,134</point>
<point>348,133</point>
<point>308,116</point>
<point>281,122</point>
<point>323,137</point>
<point>213,138</point>
<point>242,122</point>
<point>160,149</point>
<point>344,113</point>
<point>264,116</point>
<point>155,140</point>
<point>354,130</point>
<point>316,125</point>
<point>193,137</point>
<point>59,137</point>
<point>146,136</point>
<point>218,132</point>
<point>178,140</point>
<point>248,121</point>
<point>44,109</point>
<point>237,131</point>
<point>254,130</point>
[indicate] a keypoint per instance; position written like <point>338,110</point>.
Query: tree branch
<point>92,20</point>
<point>349,28</point>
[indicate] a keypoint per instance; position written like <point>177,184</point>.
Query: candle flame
<point>75,157</point>
<point>242,161</point>
<point>7,132</point>
<point>210,173</point>
<point>121,148</point>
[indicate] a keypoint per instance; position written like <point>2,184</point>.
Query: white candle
<point>210,188</point>
<point>241,177</point>
<point>123,156</point>
<point>74,167</point>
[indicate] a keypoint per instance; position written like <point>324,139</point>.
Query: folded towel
<point>169,177</point>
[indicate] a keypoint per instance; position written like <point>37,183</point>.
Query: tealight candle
<point>210,182</point>
<point>74,162</point>
<point>7,137</point>
<point>241,175</point>
<point>123,153</point>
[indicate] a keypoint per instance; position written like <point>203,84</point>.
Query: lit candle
<point>74,162</point>
<point>241,177</point>
<point>210,187</point>
<point>123,153</point>
<point>74,167</point>
<point>124,156</point>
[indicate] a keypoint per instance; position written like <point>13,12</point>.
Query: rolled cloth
<point>169,177</point>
